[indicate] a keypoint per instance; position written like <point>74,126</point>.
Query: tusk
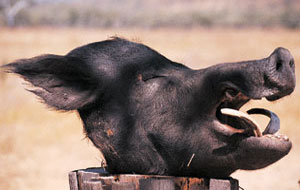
<point>244,116</point>
<point>274,123</point>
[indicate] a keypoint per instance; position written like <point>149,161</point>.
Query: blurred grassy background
<point>38,147</point>
<point>151,13</point>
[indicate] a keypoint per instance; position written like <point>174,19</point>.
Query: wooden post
<point>73,181</point>
<point>99,179</point>
<point>92,185</point>
<point>216,184</point>
<point>154,183</point>
<point>123,186</point>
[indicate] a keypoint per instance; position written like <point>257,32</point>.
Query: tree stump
<point>100,179</point>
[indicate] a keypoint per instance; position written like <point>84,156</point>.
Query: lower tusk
<point>235,113</point>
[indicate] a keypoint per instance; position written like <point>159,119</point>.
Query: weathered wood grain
<point>99,179</point>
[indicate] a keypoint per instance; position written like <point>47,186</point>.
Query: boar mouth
<point>236,121</point>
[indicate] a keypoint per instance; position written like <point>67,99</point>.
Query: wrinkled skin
<point>149,115</point>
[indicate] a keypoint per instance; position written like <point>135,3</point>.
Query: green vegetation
<point>156,13</point>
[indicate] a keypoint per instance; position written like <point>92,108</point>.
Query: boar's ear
<point>65,83</point>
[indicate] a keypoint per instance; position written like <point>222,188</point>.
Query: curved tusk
<point>274,123</point>
<point>244,116</point>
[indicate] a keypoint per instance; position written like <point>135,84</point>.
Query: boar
<point>150,115</point>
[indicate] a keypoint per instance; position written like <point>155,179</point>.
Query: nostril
<point>278,65</point>
<point>291,63</point>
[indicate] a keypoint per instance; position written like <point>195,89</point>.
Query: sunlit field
<point>38,146</point>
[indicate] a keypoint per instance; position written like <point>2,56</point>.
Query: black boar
<point>149,115</point>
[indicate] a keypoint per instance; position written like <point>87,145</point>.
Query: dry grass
<point>39,147</point>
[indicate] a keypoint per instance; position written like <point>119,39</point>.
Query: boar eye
<point>150,77</point>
